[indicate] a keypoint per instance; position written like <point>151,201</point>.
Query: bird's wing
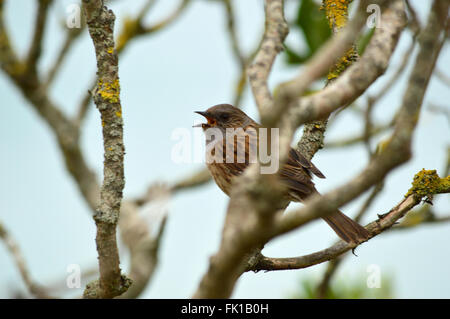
<point>296,174</point>
<point>296,158</point>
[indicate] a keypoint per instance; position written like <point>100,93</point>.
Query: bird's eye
<point>211,121</point>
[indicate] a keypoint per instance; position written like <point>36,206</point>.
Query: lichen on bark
<point>106,95</point>
<point>336,12</point>
<point>427,183</point>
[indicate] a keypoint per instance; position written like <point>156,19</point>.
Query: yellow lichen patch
<point>119,114</point>
<point>336,12</point>
<point>343,63</point>
<point>109,90</point>
<point>110,50</point>
<point>427,182</point>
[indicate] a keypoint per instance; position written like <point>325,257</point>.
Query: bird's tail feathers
<point>346,228</point>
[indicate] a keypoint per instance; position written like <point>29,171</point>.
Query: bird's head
<point>224,116</point>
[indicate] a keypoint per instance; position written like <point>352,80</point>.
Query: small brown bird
<point>296,174</point>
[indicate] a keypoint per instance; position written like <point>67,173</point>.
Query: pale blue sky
<point>164,78</point>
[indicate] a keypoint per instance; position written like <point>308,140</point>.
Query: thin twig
<point>35,49</point>
<point>34,289</point>
<point>71,36</point>
<point>352,140</point>
<point>443,77</point>
<point>134,28</point>
<point>238,53</point>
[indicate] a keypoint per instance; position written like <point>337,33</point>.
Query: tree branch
<point>67,132</point>
<point>398,149</point>
<point>333,265</point>
<point>8,58</point>
<point>337,15</point>
<point>238,53</point>
<point>36,45</point>
<point>425,184</point>
<point>272,44</point>
<point>34,289</point>
<point>133,28</point>
<point>375,228</point>
<point>71,36</point>
<point>100,22</point>
<point>143,247</point>
<point>251,221</point>
<point>358,77</point>
<point>352,140</point>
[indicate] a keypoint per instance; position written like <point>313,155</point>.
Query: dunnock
<point>296,174</point>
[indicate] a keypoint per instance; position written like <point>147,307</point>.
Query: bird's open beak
<point>208,117</point>
<point>202,113</point>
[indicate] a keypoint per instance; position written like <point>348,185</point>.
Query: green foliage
<point>345,288</point>
<point>313,24</point>
<point>364,41</point>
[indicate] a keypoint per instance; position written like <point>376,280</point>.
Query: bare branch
<point>68,140</point>
<point>36,45</point>
<point>352,140</point>
<point>85,102</point>
<point>8,58</point>
<point>414,23</point>
<point>337,15</point>
<point>318,65</point>
<point>250,224</point>
<point>143,247</point>
<point>196,179</point>
<point>375,228</point>
<point>443,77</point>
<point>420,216</point>
<point>66,133</point>
<point>71,36</point>
<point>272,44</point>
<point>334,264</point>
<point>133,28</point>
<point>225,266</point>
<point>237,51</point>
<point>425,184</point>
<point>100,22</point>
<point>34,289</point>
<point>359,76</point>
<point>398,149</point>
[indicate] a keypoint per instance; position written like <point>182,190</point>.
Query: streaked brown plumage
<point>296,174</point>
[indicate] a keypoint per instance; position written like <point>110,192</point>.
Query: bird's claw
<point>381,216</point>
